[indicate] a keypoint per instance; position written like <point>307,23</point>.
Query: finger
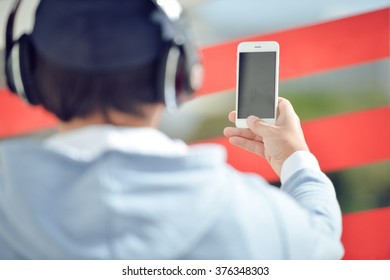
<point>258,127</point>
<point>232,116</point>
<point>248,145</point>
<point>241,132</point>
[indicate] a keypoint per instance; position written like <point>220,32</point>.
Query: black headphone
<point>180,71</point>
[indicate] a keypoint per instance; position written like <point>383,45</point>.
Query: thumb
<point>285,107</point>
<point>257,126</point>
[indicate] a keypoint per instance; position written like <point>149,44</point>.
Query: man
<point>109,185</point>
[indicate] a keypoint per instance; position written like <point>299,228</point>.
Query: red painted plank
<point>16,117</point>
<point>350,140</point>
<point>366,235</point>
<point>339,142</point>
<point>307,50</point>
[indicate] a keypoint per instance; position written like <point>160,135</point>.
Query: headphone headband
<point>9,43</point>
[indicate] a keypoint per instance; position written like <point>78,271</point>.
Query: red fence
<point>326,46</point>
<point>307,50</point>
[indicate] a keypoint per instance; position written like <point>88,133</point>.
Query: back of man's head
<point>92,56</point>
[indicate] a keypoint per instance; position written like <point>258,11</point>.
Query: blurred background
<point>358,88</point>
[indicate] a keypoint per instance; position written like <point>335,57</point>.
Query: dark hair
<point>70,93</point>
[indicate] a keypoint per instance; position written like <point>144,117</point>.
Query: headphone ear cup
<point>8,69</point>
<point>28,90</point>
<point>168,78</point>
<point>18,70</point>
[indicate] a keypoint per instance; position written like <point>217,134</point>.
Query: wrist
<point>296,161</point>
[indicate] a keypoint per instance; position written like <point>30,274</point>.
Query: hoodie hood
<point>108,204</point>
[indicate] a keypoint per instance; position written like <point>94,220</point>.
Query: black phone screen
<point>256,84</point>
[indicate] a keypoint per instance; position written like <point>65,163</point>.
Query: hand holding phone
<point>273,142</point>
<point>257,81</point>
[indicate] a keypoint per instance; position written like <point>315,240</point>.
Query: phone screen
<point>256,84</point>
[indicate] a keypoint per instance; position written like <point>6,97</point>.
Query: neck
<point>150,118</point>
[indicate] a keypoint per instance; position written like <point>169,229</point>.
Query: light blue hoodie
<point>115,193</point>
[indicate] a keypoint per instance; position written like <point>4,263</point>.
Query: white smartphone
<point>257,81</point>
